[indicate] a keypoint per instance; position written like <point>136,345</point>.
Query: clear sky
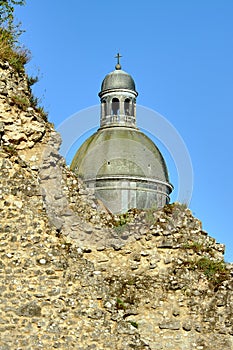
<point>180,54</point>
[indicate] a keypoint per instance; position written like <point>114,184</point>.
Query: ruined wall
<point>72,276</point>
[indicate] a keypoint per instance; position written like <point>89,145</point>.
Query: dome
<point>120,151</point>
<point>118,79</point>
<point>121,165</point>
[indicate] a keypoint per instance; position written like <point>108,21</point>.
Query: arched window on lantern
<point>115,106</point>
<point>127,106</point>
<point>104,108</point>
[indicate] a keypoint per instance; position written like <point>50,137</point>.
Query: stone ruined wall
<point>23,126</point>
<point>72,276</point>
<point>25,131</point>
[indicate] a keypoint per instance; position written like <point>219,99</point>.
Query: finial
<point>118,56</point>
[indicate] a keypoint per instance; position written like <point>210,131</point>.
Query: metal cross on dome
<point>118,56</point>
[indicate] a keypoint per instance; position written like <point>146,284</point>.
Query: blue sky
<point>180,54</point>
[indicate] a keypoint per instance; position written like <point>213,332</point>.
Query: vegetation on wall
<point>14,53</point>
<point>7,12</point>
<point>10,49</point>
<point>215,271</point>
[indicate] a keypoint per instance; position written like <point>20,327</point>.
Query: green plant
<point>7,12</point>
<point>34,101</point>
<point>134,324</point>
<point>10,49</point>
<point>196,246</point>
<point>32,80</point>
<point>123,289</point>
<point>15,55</point>
<point>210,267</point>
<point>120,222</point>
<point>126,289</point>
<point>215,271</point>
<point>42,113</point>
<point>120,304</point>
<point>20,101</point>
<point>10,149</point>
<point>23,103</point>
<point>122,219</point>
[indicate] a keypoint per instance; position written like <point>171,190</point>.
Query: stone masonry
<point>73,276</point>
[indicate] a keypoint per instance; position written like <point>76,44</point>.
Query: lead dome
<point>118,79</point>
<point>121,165</point>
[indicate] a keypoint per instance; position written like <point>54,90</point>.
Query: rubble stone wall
<point>72,276</point>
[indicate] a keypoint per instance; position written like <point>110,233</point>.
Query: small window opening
<point>115,106</point>
<point>127,106</point>
<point>104,106</point>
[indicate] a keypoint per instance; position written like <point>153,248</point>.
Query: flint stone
<point>166,244</point>
<point>170,325</point>
<point>29,310</point>
<point>57,222</point>
<point>187,326</point>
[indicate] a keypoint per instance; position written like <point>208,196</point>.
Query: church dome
<point>120,164</point>
<point>118,79</point>
<point>114,152</point>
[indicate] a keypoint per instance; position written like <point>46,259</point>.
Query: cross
<point>118,56</point>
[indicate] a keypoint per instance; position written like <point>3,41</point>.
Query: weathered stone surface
<point>175,326</point>
<point>29,310</point>
<point>75,277</point>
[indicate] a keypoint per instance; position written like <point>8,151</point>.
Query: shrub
<point>16,56</point>
<point>42,113</point>
<point>215,271</point>
<point>7,12</point>
<point>20,101</point>
<point>195,246</point>
<point>120,222</point>
<point>32,80</point>
<point>10,49</point>
<point>122,219</point>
